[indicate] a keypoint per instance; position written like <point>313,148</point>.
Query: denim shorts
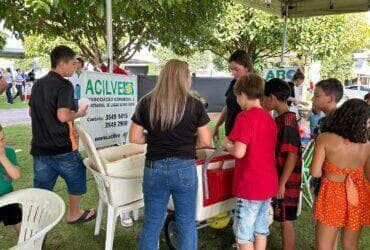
<point>69,166</point>
<point>251,219</point>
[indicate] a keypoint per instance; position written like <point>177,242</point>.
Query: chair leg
<point>99,217</point>
<point>111,224</point>
<point>308,186</point>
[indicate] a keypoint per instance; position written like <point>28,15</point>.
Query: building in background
<point>361,69</point>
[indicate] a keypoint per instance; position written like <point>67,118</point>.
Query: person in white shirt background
<point>76,82</point>
<point>296,88</point>
<point>9,81</point>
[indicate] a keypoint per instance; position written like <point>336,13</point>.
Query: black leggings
<point>19,92</point>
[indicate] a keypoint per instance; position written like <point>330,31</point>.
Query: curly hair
<point>350,121</point>
<point>367,96</point>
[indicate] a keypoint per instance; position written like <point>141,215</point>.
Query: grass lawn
<point>16,105</point>
<point>65,236</point>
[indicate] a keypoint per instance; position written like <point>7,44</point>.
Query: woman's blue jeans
<point>8,93</point>
<point>164,178</point>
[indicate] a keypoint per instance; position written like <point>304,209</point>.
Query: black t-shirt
<point>49,135</point>
<point>179,142</point>
<point>233,108</point>
<point>31,76</point>
<point>292,93</point>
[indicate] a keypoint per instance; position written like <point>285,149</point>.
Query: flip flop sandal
<point>83,218</point>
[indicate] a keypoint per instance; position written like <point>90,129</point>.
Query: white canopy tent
<point>306,8</point>
<point>285,8</point>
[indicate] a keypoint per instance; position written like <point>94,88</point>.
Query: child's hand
<point>281,192</point>
<point>216,134</point>
<point>225,143</point>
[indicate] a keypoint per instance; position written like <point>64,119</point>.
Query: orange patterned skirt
<point>343,204</point>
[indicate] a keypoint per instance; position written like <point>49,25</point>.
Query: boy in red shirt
<point>252,141</point>
<point>288,159</point>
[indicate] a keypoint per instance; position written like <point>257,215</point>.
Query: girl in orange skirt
<point>339,158</point>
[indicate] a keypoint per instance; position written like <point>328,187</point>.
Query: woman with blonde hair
<point>172,117</point>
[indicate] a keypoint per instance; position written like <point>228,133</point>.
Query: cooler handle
<point>204,171</point>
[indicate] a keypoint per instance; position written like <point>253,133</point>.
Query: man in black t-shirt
<point>31,76</point>
<point>239,63</point>
<point>53,144</point>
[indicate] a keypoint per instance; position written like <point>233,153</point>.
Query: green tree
<point>37,49</point>
<point>260,34</point>
<point>173,23</point>
<point>340,68</point>
<point>2,40</point>
<point>197,61</point>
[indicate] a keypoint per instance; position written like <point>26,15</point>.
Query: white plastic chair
<point>41,211</point>
<point>106,186</point>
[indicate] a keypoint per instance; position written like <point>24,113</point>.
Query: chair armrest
<point>8,199</point>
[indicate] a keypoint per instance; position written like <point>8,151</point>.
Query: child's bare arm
<point>367,168</point>
<point>318,157</point>
<point>237,149</point>
<point>289,165</point>
<point>14,172</point>
<point>204,136</point>
<point>136,134</point>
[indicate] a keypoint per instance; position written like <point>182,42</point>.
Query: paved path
<point>10,117</point>
<point>14,116</point>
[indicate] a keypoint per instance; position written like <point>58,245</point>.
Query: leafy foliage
<point>173,23</point>
<point>260,34</point>
<point>340,68</point>
<point>197,61</point>
<point>2,40</point>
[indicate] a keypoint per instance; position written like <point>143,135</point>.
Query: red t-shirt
<point>116,70</point>
<point>255,176</point>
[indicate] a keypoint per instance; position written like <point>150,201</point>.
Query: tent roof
<point>305,8</point>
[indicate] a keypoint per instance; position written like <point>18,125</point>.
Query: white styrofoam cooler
<point>124,166</point>
<point>126,161</point>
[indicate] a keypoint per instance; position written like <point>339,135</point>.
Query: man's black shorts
<point>10,214</point>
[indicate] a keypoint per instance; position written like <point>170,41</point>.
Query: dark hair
<point>1,128</point>
<point>61,53</point>
<point>279,88</point>
<point>8,70</point>
<point>350,121</point>
<point>80,60</point>
<point>367,96</point>
<point>241,57</point>
<point>331,86</point>
<point>298,75</point>
<point>251,85</point>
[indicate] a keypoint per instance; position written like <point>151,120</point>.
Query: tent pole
<point>285,14</point>
<point>108,4</point>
